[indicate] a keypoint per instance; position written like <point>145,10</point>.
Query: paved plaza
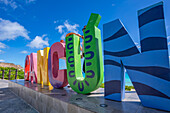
<point>10,103</point>
<point>66,100</point>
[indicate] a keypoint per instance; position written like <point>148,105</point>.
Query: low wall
<point>42,101</point>
<point>67,101</point>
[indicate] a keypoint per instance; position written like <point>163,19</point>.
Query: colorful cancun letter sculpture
<point>149,70</point>
<point>39,66</point>
<point>27,67</point>
<point>45,77</point>
<point>57,78</point>
<point>42,66</point>
<point>33,67</point>
<point>93,58</point>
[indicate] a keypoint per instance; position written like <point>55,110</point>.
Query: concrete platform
<point>10,103</point>
<point>66,100</point>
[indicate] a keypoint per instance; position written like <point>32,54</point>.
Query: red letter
<point>27,67</point>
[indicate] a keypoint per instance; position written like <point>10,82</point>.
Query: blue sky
<point>30,25</point>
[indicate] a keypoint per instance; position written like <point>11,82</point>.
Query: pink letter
<point>33,68</point>
<point>57,78</point>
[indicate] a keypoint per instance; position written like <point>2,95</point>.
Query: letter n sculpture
<point>149,69</point>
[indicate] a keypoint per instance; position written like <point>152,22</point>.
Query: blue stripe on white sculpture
<point>149,70</point>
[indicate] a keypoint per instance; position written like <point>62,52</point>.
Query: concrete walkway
<point>64,100</point>
<point>10,103</point>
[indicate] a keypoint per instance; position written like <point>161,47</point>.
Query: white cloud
<point>30,1</point>
<point>63,36</point>
<point>2,45</point>
<point>136,43</point>
<point>1,60</point>
<point>38,42</point>
<point>113,4</point>
<point>1,51</point>
<point>13,4</point>
<point>11,30</point>
<point>66,28</point>
<point>168,37</point>
<point>44,35</point>
<point>56,21</point>
<point>24,52</point>
<point>71,28</point>
<point>10,3</point>
<point>60,28</point>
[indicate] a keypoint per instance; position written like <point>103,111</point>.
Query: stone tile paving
<point>10,103</point>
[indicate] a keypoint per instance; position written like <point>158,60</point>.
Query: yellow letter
<point>45,77</point>
<point>40,66</point>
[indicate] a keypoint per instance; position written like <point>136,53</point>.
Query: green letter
<point>93,58</point>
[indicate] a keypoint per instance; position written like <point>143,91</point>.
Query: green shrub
<point>127,88</point>
<point>102,86</point>
<point>13,71</point>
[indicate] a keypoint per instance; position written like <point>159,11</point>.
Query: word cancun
<point>43,67</point>
<point>148,69</point>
